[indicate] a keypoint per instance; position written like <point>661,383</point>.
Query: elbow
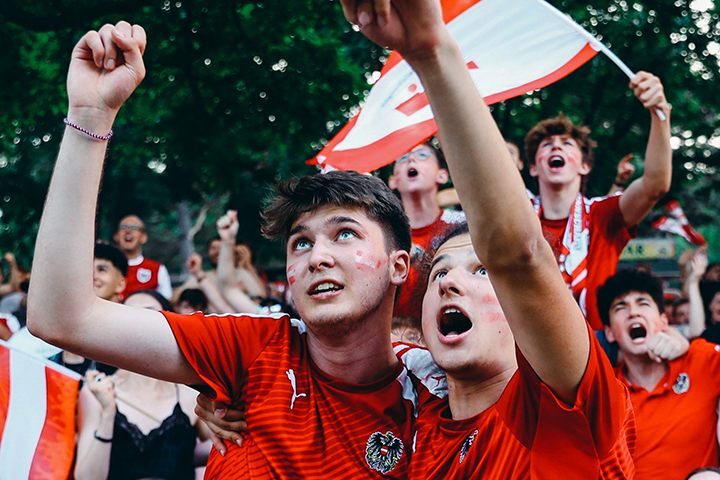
<point>524,255</point>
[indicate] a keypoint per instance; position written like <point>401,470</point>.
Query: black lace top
<point>165,453</point>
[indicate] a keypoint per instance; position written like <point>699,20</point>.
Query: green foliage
<point>239,94</point>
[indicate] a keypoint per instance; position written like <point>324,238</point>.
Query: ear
<point>533,170</point>
<point>116,237</point>
<point>392,182</point>
<point>120,287</point>
<point>442,176</point>
<point>143,239</point>
<point>584,168</point>
<point>399,262</point>
<point>665,323</point>
<point>609,334</point>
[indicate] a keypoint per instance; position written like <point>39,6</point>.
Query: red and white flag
<point>676,222</point>
<point>511,47</point>
<point>37,417</point>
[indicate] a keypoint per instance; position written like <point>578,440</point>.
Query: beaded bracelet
<point>93,135</point>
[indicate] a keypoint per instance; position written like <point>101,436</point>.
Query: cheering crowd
<point>497,341</point>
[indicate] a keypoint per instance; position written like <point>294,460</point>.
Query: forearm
<point>658,158</point>
<point>213,295</point>
<point>226,264</point>
<point>61,293</point>
<point>93,455</point>
<point>502,221</point>
<point>251,282</point>
<point>696,321</point>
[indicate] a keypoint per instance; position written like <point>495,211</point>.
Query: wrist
<point>199,277</point>
<point>96,120</point>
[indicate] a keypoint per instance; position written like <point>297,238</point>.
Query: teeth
<point>452,310</point>
<point>325,287</point>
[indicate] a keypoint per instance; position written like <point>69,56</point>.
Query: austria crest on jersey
<point>383,451</point>
<point>511,47</point>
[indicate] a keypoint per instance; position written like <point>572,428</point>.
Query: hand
<point>663,346</point>
<point>650,91</point>
<point>9,258</point>
<point>411,27</point>
<point>243,255</point>
<point>625,169</point>
<point>223,422</point>
<point>228,225</point>
<point>698,265</point>
<point>194,265</point>
<point>103,387</point>
<point>106,67</point>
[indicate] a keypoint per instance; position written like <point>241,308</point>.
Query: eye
<point>438,275</point>
<point>481,271</point>
<point>301,244</point>
<point>346,235</point>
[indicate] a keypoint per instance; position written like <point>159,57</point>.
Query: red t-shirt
<point>303,423</point>
<point>529,433</point>
<point>608,236</point>
<point>143,276</point>
<point>411,293</point>
<point>677,421</point>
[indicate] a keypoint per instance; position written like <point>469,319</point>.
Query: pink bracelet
<point>93,135</point>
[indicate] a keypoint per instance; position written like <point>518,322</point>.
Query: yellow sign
<point>649,249</point>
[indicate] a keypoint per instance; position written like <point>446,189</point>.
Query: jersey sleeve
<point>607,219</point>
<point>222,348</point>
<point>709,353</point>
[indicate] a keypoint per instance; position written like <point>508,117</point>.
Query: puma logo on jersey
<point>466,445</point>
<point>291,376</point>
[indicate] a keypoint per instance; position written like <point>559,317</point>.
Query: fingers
<point>132,47</point>
<point>110,53</point>
<point>219,444</point>
<point>364,12</point>
<point>649,90</point>
<point>91,47</point>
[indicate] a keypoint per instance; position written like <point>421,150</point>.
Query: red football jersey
<point>677,421</point>
<point>303,423</point>
<point>529,433</point>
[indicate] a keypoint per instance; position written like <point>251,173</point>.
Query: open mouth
<point>637,331</point>
<point>556,162</point>
<point>325,288</point>
<point>453,322</point>
<point>412,173</point>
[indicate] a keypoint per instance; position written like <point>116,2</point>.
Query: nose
<point>451,284</point>
<point>320,256</point>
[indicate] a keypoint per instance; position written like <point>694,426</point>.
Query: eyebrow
<point>336,220</point>
<point>437,259</point>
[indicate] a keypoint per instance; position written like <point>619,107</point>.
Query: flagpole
<point>626,70</point>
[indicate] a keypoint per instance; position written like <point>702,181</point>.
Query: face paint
<point>363,263</point>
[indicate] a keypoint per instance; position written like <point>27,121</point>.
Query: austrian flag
<point>511,47</point>
<point>37,417</point>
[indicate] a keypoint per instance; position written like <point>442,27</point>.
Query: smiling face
<point>559,161</point>
<point>131,235</point>
<point>108,281</point>
<point>339,269</point>
<point>463,325</point>
<point>634,318</point>
<point>417,171</point>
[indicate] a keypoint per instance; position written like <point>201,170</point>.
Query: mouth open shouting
<point>556,162</point>
<point>637,332</point>
<point>324,289</point>
<point>453,323</point>
<point>412,173</point>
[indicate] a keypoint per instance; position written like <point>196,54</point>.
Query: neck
<point>468,397</point>
<point>136,382</point>
<point>132,254</point>
<point>360,356</point>
<point>643,372</point>
<point>558,199</point>
<point>421,208</point>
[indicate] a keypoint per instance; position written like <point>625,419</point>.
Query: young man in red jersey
<point>588,235</point>
<point>675,401</point>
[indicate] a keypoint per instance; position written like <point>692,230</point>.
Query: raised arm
<point>227,230</point>
<point>194,265</point>
<point>546,321</point>
<point>13,283</point>
<point>625,169</point>
<point>105,69</point>
<point>696,320</point>
<point>642,194</point>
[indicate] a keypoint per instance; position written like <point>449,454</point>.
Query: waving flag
<point>676,222</point>
<point>37,417</point>
<point>511,47</point>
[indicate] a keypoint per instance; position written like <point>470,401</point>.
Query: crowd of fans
<point>616,380</point>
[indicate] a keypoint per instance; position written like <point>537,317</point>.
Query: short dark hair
<point>165,304</point>
<point>342,189</point>
<point>701,470</point>
<point>461,228</point>
<point>439,155</point>
<point>105,251</point>
<point>624,282</point>
<point>195,297</point>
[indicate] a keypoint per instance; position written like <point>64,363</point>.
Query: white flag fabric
<point>511,47</point>
<point>37,417</point>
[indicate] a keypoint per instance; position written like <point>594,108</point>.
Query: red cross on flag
<point>511,47</point>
